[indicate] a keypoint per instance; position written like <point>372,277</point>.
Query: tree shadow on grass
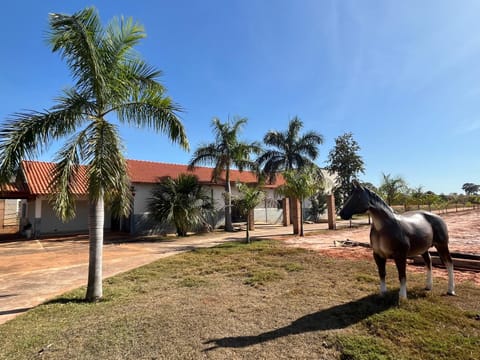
<point>72,300</point>
<point>336,317</point>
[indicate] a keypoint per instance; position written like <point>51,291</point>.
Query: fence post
<point>296,216</point>
<point>251,220</point>
<point>331,212</point>
<point>286,211</point>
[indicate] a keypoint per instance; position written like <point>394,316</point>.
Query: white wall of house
<point>45,220</point>
<point>142,193</point>
<point>143,224</point>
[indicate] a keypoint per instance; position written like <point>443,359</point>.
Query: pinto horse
<point>397,237</point>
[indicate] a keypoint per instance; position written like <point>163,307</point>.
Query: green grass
<point>261,300</point>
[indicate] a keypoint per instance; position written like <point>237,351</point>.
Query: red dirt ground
<point>464,233</point>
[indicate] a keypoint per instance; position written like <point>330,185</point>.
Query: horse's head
<point>357,203</point>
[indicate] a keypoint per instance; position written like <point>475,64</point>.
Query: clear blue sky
<point>402,76</point>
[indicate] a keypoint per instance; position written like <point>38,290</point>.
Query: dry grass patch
<point>255,301</point>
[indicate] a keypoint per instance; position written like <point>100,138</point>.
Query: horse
<point>394,236</point>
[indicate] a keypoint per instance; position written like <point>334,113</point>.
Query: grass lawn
<point>257,301</point>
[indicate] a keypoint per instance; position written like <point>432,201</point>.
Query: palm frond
<point>275,138</point>
<point>25,135</point>
<point>121,35</point>
<point>156,113</point>
<point>107,168</point>
<point>65,175</point>
<point>79,38</point>
<point>206,154</point>
<point>237,124</point>
<point>294,127</point>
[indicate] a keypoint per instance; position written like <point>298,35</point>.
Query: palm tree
<point>181,202</point>
<point>299,185</point>
<point>251,197</point>
<point>290,150</point>
<point>224,153</point>
<point>109,79</point>
<point>392,187</point>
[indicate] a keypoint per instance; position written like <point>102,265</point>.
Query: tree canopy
<point>250,197</point>
<point>226,151</point>
<point>301,184</point>
<point>471,188</point>
<point>392,187</point>
<point>181,202</point>
<point>289,149</point>
<point>345,162</point>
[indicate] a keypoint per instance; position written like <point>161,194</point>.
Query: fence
<point>442,208</point>
<point>364,219</point>
<point>9,216</point>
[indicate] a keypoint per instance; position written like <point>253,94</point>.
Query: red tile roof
<point>38,175</point>
<point>148,172</point>
<point>14,191</point>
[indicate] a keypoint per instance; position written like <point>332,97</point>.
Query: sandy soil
<point>464,232</point>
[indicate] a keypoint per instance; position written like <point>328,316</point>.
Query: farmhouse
<point>32,190</point>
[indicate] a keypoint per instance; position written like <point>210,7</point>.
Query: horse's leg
<point>381,262</point>
<point>401,262</point>
<point>428,265</point>
<point>444,254</point>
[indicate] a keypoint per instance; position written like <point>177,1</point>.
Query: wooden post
<point>332,225</point>
<point>251,220</point>
<point>286,212</point>
<point>296,216</point>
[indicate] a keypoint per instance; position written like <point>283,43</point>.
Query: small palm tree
<point>289,150</point>
<point>251,196</point>
<point>110,79</point>
<point>391,187</point>
<point>180,202</point>
<point>299,185</point>
<point>224,153</point>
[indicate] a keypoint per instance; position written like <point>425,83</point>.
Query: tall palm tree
<point>181,202</point>
<point>224,153</point>
<point>109,79</point>
<point>289,149</point>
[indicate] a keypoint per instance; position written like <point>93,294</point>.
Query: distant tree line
<point>396,192</point>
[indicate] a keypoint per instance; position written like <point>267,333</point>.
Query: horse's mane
<point>377,201</point>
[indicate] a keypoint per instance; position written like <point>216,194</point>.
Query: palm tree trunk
<point>248,230</point>
<point>228,202</point>
<point>96,222</point>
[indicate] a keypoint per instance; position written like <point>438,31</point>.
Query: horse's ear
<point>356,184</point>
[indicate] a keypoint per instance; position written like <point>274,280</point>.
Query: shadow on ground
<point>336,317</point>
<point>14,311</point>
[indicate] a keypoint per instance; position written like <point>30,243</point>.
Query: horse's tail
<point>440,231</point>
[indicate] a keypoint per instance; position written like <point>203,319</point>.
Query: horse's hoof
<point>428,288</point>
<point>451,293</point>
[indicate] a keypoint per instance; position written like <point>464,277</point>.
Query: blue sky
<point>402,76</point>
